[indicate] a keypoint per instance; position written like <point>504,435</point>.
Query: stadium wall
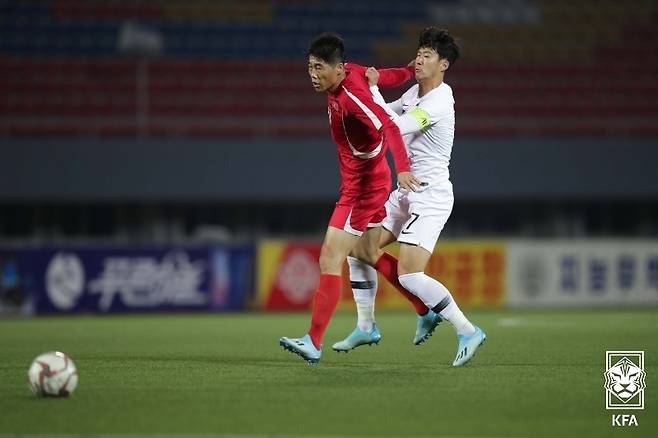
<point>187,170</point>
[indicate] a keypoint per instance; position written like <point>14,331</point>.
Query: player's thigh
<point>355,213</point>
<point>368,209</point>
<point>428,213</point>
<point>386,237</point>
<point>336,246</point>
<point>370,212</point>
<point>397,214</point>
<point>412,258</point>
<point>342,217</point>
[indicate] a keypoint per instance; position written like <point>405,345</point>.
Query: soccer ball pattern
<point>53,374</point>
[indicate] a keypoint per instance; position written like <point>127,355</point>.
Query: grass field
<point>540,374</point>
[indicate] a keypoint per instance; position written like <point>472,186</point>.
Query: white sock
<point>438,298</point>
<point>453,313</point>
<point>363,278</point>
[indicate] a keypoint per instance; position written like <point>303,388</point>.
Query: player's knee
<point>409,280</point>
<point>369,255</point>
<point>373,255</point>
<point>330,260</point>
<point>405,268</point>
<point>412,259</point>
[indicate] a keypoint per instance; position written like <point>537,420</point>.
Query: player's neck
<point>429,84</point>
<point>334,87</point>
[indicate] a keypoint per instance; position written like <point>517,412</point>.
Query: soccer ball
<point>52,374</point>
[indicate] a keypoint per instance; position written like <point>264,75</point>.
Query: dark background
<point>162,121</point>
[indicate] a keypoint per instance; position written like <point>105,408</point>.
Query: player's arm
<point>415,121</point>
<point>364,108</point>
<point>389,77</point>
<point>393,137</point>
<point>394,77</point>
<point>393,108</point>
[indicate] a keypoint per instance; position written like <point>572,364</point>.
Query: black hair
<point>441,41</point>
<point>328,47</point>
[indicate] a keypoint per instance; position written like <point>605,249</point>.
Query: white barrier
<point>586,273</point>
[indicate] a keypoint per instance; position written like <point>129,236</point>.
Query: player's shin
<point>387,265</point>
<point>453,313</point>
<point>363,279</point>
<point>437,297</point>
<point>326,299</point>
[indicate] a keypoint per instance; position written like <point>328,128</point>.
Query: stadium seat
<point>237,68</point>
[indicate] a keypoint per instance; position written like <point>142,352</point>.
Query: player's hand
<point>373,76</point>
<point>412,63</point>
<point>406,180</point>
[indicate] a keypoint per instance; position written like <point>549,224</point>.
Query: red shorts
<point>355,214</point>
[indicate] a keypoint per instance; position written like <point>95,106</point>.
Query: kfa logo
<point>624,384</point>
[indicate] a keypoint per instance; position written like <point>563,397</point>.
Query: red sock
<point>326,299</point>
<point>387,265</point>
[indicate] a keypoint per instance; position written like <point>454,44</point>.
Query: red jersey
<point>363,130</point>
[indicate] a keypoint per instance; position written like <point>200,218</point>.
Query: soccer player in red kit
<point>362,131</point>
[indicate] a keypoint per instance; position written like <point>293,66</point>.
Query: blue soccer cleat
<point>468,345</point>
<point>302,347</point>
<point>358,337</point>
<point>425,326</point>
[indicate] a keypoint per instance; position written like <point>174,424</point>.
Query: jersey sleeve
<point>388,77</point>
<point>362,105</point>
<point>395,106</point>
<point>394,77</point>
<point>394,109</point>
<point>421,117</point>
<point>379,99</point>
<point>356,69</point>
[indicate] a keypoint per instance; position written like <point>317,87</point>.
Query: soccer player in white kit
<point>426,118</point>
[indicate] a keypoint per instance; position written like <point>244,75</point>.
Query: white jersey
<point>427,125</point>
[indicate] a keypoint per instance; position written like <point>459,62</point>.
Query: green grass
<point>540,374</point>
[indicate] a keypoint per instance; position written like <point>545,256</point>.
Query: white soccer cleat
<point>468,345</point>
<point>302,347</point>
<point>425,326</point>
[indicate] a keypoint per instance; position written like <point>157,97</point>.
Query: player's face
<point>324,76</point>
<point>428,64</point>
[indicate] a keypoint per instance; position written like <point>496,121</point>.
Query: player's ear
<point>444,64</point>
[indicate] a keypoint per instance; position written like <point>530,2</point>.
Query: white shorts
<point>417,218</point>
